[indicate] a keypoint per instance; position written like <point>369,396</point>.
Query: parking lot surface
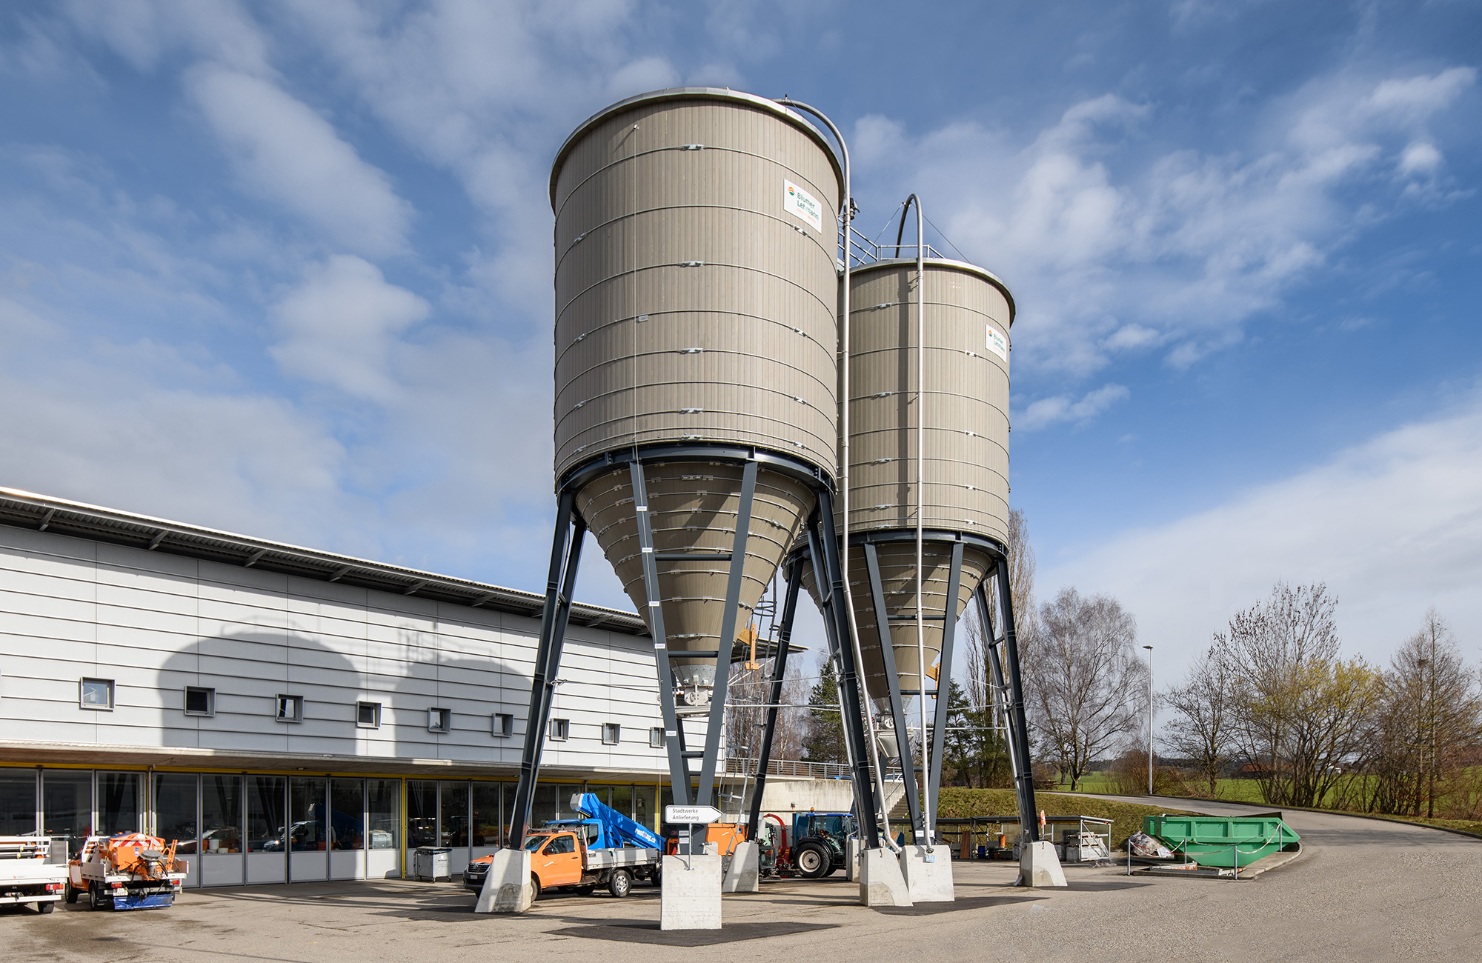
<point>1362,890</point>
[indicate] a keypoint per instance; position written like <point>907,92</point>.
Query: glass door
<point>309,827</point>
<point>347,829</point>
<point>267,829</point>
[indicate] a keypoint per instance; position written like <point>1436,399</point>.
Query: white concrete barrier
<point>928,875</point>
<point>745,874</point>
<point>691,896</point>
<point>1039,866</point>
<point>880,879</point>
<point>507,888</point>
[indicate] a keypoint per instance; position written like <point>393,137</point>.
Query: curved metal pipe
<point>926,810</point>
<point>846,217</point>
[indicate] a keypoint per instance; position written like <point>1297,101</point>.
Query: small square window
<point>200,701</point>
<point>290,708</point>
<point>560,729</point>
<point>656,737</point>
<point>612,733</point>
<point>368,715</point>
<point>503,725</point>
<point>439,720</point>
<point>95,694</point>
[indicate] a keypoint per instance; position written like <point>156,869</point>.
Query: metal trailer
<point>33,869</point>
<point>125,872</point>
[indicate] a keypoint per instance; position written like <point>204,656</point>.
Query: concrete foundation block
<point>745,874</point>
<point>691,895</point>
<point>1039,866</point>
<point>507,888</point>
<point>880,879</point>
<point>928,874</point>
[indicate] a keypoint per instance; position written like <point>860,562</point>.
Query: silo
<point>961,485</point>
<point>696,375</point>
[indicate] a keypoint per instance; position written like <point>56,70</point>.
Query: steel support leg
<point>944,685</point>
<point>893,685</point>
<point>1005,676</point>
<point>774,697</point>
<point>560,582</point>
<point>824,549</point>
<point>727,639</point>
<point>679,776</point>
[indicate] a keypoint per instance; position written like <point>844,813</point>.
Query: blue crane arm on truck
<point>606,828</point>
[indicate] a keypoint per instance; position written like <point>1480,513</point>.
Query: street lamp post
<point>1150,718</point>
<point>1424,784</point>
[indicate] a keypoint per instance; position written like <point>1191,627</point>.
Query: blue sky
<point>285,268</point>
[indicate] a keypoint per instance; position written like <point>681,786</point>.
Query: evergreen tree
<point>825,741</point>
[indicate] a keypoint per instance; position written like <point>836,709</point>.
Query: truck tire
<point>586,890</point>
<point>620,883</point>
<point>69,893</point>
<point>534,887</point>
<point>45,907</point>
<point>812,861</point>
<point>93,903</point>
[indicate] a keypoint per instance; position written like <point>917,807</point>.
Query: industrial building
<point>230,692</point>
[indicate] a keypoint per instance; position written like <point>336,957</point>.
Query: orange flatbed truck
<point>603,848</point>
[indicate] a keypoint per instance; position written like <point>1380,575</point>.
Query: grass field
<point>959,803</point>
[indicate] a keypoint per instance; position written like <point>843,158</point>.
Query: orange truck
<point>124,872</point>
<point>602,848</point>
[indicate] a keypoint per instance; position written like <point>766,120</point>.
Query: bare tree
<point>1090,688</point>
<point>1200,729</point>
<point>1300,711</point>
<point>1021,592</point>
<point>1430,721</point>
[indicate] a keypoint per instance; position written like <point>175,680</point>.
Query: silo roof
<point>692,93</point>
<point>942,262</point>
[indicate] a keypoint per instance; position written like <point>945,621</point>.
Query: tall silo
<point>696,338</point>
<point>927,522</point>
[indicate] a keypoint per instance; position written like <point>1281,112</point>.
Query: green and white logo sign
<point>801,204</point>
<point>997,343</point>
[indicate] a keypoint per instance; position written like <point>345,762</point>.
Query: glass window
<point>368,715</point>
<point>347,813</point>
<point>221,813</point>
<point>656,737</point>
<point>612,733</point>
<point>306,829</point>
<point>454,813</point>
<point>266,809</point>
<point>503,725</point>
<point>17,801</point>
<point>622,800</point>
<point>118,802</point>
<point>563,843</point>
<point>544,805</point>
<point>200,701</point>
<point>95,694</point>
<point>290,708</point>
<point>421,812</point>
<point>560,729</point>
<point>644,808</point>
<point>175,810</point>
<point>383,801</point>
<point>439,720</point>
<point>486,819</point>
<point>67,805</point>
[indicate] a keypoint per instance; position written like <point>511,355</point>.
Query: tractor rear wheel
<point>812,861</point>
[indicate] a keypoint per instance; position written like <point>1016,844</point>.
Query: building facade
<point>287,714</point>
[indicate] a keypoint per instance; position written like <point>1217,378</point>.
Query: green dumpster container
<point>1226,842</point>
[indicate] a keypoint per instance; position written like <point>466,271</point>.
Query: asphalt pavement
<point>1362,890</point>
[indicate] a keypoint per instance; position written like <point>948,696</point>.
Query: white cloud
<point>644,74</point>
<point>1110,251</point>
<point>1393,526</point>
<point>284,151</point>
<point>1062,409</point>
<point>144,31</point>
<point>339,327</point>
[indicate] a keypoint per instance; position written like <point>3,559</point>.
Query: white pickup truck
<point>33,869</point>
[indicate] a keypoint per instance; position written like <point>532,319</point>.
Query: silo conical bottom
<point>898,580</point>
<point>693,507</point>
